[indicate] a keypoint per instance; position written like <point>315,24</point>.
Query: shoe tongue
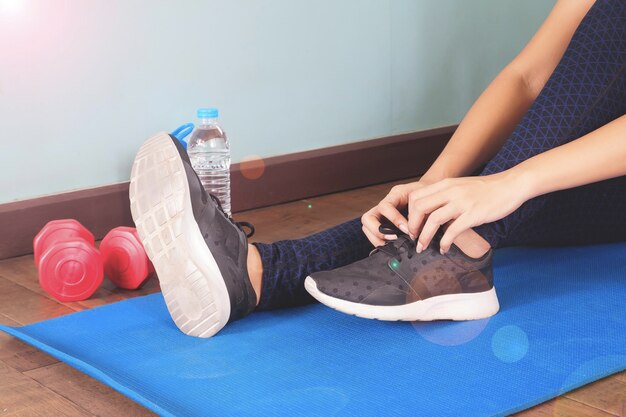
<point>438,236</point>
<point>388,228</point>
<point>403,240</point>
<point>392,248</point>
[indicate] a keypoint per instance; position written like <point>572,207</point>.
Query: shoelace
<point>403,244</point>
<point>240,225</point>
<point>395,248</point>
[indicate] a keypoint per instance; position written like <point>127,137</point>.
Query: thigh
<point>594,213</point>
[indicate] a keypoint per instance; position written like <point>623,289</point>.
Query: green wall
<point>83,83</point>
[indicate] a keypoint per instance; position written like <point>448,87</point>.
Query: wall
<point>83,83</point>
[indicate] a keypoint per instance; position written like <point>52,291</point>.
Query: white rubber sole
<point>191,282</point>
<point>458,307</point>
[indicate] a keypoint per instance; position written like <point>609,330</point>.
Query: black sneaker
<point>199,253</point>
<point>397,283</point>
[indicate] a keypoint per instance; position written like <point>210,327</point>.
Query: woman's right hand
<point>397,199</point>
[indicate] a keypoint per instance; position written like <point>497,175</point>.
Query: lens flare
<point>252,167</point>
<point>510,344</point>
<point>11,7</point>
<point>394,264</point>
<point>450,333</point>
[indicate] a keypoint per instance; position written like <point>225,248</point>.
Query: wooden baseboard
<point>285,178</point>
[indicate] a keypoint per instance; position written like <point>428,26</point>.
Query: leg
<point>590,214</point>
<point>200,254</point>
<point>287,263</point>
<point>586,91</point>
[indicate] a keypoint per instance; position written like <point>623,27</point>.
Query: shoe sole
<point>191,282</point>
<point>458,307</point>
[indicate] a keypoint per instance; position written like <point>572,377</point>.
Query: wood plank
<point>86,392</point>
<point>608,394</point>
<point>337,208</point>
<point>296,219</point>
<point>19,355</point>
<point>22,271</point>
<point>7,321</point>
<point>22,396</point>
<point>288,222</point>
<point>563,407</point>
<point>25,306</point>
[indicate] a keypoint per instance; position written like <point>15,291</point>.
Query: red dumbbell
<point>70,267</point>
<point>125,260</point>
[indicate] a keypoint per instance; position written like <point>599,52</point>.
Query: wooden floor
<point>35,384</point>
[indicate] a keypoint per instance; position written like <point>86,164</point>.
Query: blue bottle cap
<point>207,113</point>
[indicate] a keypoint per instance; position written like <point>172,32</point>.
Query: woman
<point>549,134</point>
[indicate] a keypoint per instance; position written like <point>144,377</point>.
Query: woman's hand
<point>398,198</point>
<point>464,202</point>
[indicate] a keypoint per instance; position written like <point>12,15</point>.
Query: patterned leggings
<point>586,91</point>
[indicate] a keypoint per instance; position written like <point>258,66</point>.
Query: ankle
<point>255,270</point>
<point>472,244</point>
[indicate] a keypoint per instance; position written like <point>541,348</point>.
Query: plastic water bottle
<point>209,152</point>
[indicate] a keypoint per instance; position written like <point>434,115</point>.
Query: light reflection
<point>11,7</point>
<point>510,344</point>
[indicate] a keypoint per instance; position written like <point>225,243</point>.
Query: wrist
<point>522,180</point>
<point>434,175</point>
<point>450,166</point>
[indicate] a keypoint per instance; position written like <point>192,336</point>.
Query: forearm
<point>493,117</point>
<point>485,128</point>
<point>597,156</point>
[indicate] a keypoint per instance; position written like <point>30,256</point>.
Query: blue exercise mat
<point>562,325</point>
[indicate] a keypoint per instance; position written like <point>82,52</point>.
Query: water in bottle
<point>209,152</point>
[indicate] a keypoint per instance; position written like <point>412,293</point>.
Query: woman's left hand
<point>465,202</point>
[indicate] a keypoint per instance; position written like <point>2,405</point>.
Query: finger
<point>453,231</point>
<point>434,221</point>
<point>388,209</point>
<point>420,208</point>
<point>376,241</point>
<point>371,222</point>
<point>398,195</point>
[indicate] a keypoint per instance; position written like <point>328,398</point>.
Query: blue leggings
<point>586,91</point>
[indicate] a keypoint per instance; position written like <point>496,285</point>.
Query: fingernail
<point>419,248</point>
<point>391,237</point>
<point>441,251</point>
<point>403,227</point>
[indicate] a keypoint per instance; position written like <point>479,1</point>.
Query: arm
<point>492,118</point>
<point>597,156</point>
<point>472,201</point>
